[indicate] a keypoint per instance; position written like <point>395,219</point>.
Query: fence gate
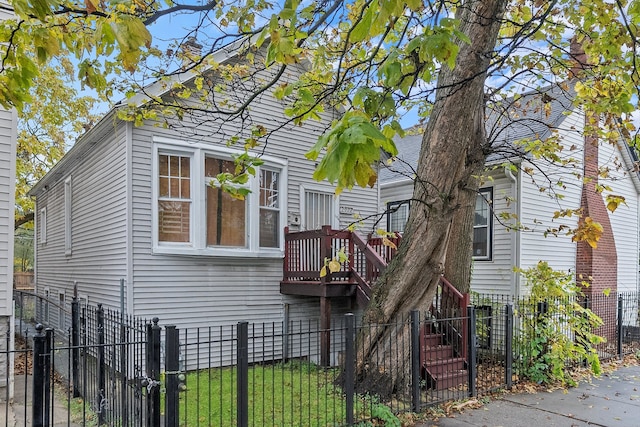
<point>107,363</point>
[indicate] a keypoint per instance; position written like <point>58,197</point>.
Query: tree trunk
<point>451,158</point>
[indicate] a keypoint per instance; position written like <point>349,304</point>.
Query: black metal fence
<point>87,374</point>
<point>125,371</point>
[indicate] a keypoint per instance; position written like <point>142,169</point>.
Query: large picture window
<point>194,216</point>
<point>482,220</point>
<point>226,216</point>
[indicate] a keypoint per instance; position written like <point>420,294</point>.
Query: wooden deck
<point>307,251</point>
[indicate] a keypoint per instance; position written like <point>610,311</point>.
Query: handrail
<point>368,251</point>
<point>452,289</point>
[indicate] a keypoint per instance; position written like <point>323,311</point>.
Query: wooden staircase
<point>442,368</point>
<point>443,341</point>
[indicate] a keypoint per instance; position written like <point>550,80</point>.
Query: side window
<point>397,215</point>
<point>319,209</point>
<point>269,208</point>
<point>482,220</point>
<point>43,225</point>
<point>174,198</point>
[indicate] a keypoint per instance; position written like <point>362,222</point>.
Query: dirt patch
<point>23,364</point>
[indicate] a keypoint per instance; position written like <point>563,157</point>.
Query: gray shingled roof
<point>533,115</point>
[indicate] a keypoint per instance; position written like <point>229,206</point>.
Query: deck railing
<point>449,303</point>
<point>307,252</point>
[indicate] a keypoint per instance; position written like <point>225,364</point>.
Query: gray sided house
<point>8,136</point>
<point>532,192</point>
<point>134,203</point>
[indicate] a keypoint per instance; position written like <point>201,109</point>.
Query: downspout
<point>516,189</point>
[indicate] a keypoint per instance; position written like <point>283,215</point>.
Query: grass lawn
<point>292,394</point>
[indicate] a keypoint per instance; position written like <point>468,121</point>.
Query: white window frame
<point>68,216</point>
<point>487,193</point>
<point>335,218</point>
<point>198,240</point>
<point>43,226</point>
<point>156,196</point>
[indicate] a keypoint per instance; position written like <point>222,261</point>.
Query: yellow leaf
<point>323,271</point>
<point>389,243</point>
<point>606,292</point>
<point>334,266</point>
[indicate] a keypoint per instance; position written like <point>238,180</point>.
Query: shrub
<point>555,330</point>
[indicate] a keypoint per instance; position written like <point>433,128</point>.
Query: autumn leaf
<point>588,231</point>
<point>334,266</point>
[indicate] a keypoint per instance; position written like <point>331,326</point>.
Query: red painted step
<point>441,367</point>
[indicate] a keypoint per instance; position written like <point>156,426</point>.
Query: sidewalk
<point>18,413</point>
<point>613,400</point>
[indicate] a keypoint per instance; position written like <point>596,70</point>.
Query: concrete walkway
<point>613,400</point>
<point>19,412</point>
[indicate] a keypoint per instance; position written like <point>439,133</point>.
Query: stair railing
<point>449,307</point>
<point>367,261</point>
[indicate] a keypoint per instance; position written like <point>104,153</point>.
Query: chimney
<point>191,51</point>
<point>579,59</point>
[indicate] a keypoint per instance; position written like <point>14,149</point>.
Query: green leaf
<point>363,27</point>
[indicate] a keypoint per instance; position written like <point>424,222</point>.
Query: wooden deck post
<point>325,331</point>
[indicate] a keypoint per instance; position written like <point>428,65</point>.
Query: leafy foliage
<point>555,330</point>
<point>47,126</point>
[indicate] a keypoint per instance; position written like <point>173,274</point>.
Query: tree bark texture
<point>438,232</point>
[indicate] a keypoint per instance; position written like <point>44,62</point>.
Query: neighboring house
<point>134,203</point>
<point>531,194</point>
<point>8,135</point>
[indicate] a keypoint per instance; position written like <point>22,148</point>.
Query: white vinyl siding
<point>495,275</point>
<point>114,200</point>
<point>99,224</point>
<point>540,199</point>
<point>624,220</point>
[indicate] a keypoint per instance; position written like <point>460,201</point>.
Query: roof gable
<point>536,114</point>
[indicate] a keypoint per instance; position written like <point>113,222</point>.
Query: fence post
<point>124,369</point>
<point>415,361</point>
<point>101,395</point>
<point>243,374</point>
<point>350,366</point>
<point>75,345</point>
<point>47,368</point>
<point>508,346</point>
<point>471,313</point>
<point>171,368</point>
<point>619,325</point>
<point>37,405</point>
<point>153,373</point>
